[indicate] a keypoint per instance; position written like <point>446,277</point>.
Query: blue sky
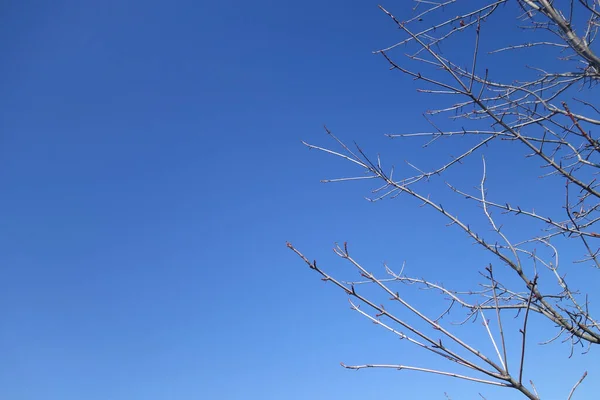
<point>152,172</point>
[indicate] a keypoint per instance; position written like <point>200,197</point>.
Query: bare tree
<point>547,110</point>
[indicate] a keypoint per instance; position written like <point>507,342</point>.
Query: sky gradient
<point>152,171</point>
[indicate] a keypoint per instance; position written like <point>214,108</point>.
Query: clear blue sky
<point>151,172</point>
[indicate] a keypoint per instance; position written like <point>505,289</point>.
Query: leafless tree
<point>548,110</point>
